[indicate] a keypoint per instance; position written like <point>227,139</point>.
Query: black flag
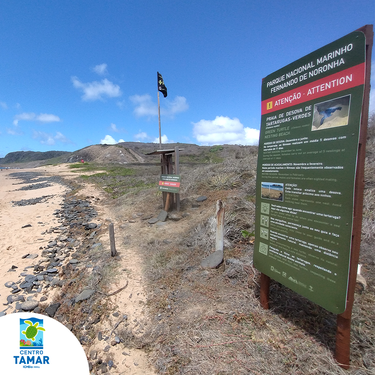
<point>161,86</point>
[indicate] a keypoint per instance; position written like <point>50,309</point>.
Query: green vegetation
<point>216,148</point>
<point>247,234</point>
<point>114,180</point>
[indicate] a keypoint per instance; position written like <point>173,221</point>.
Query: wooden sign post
<point>170,177</point>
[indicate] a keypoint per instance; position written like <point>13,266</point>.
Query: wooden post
<point>177,171</point>
<point>220,226</point>
<point>264,290</point>
<point>159,120</point>
<point>164,171</point>
<point>112,239</point>
<point>342,350</point>
<point>168,202</point>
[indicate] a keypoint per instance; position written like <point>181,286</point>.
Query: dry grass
<point>211,321</point>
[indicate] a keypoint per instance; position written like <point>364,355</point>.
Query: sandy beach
<point>26,230</point>
<point>21,226</point>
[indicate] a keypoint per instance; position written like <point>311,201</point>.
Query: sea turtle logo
<point>32,330</point>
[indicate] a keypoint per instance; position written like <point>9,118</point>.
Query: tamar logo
<point>31,344</point>
<point>269,105</point>
<point>38,344</point>
<point>30,330</point>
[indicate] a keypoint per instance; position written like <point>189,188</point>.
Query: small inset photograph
<point>331,113</point>
<point>273,190</point>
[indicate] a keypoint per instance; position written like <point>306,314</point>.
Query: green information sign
<point>311,111</point>
<point>170,183</point>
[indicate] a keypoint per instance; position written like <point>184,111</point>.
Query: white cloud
<point>224,130</point>
<point>50,139</point>
<point>3,105</point>
<point>14,132</point>
<point>97,90</point>
<point>141,135</point>
<point>164,139</point>
<point>177,105</point>
<point>108,140</point>
<point>100,69</point>
<point>145,106</point>
<point>43,117</point>
<point>114,128</point>
<point>121,104</point>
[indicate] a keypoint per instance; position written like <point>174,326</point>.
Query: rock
<point>13,298</point>
<point>153,220</point>
<point>51,309</point>
<point>73,261</point>
<point>90,226</point>
<point>214,260</point>
<point>27,226</point>
<point>26,285</point>
<point>29,305</point>
<point>32,256</point>
<point>100,336</point>
<point>85,294</point>
<point>174,217</point>
<point>202,198</point>
<point>114,342</point>
<point>52,270</point>
<point>42,299</point>
<point>162,215</point>
<point>93,354</point>
<point>361,284</point>
<point>57,282</point>
<point>9,284</point>
<point>30,278</point>
<point>25,256</point>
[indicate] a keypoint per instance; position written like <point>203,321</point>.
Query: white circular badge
<point>37,344</point>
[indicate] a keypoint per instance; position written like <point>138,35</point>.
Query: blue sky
<point>83,72</point>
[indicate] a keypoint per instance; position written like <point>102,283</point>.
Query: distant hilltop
<point>127,153</point>
<point>28,156</point>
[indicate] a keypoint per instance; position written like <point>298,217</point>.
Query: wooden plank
<point>112,239</point>
<point>177,170</point>
<point>264,290</point>
<point>220,212</point>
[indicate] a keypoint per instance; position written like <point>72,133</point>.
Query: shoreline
<point>21,223</point>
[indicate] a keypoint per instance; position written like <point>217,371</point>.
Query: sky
<point>80,72</point>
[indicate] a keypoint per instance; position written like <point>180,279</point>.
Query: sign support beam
<point>342,351</point>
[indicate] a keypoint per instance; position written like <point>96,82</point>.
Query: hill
<point>29,156</point>
<point>127,153</point>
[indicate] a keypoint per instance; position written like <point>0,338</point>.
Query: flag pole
<point>159,120</point>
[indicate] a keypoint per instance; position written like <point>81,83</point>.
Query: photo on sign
<point>273,190</point>
<point>331,113</point>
